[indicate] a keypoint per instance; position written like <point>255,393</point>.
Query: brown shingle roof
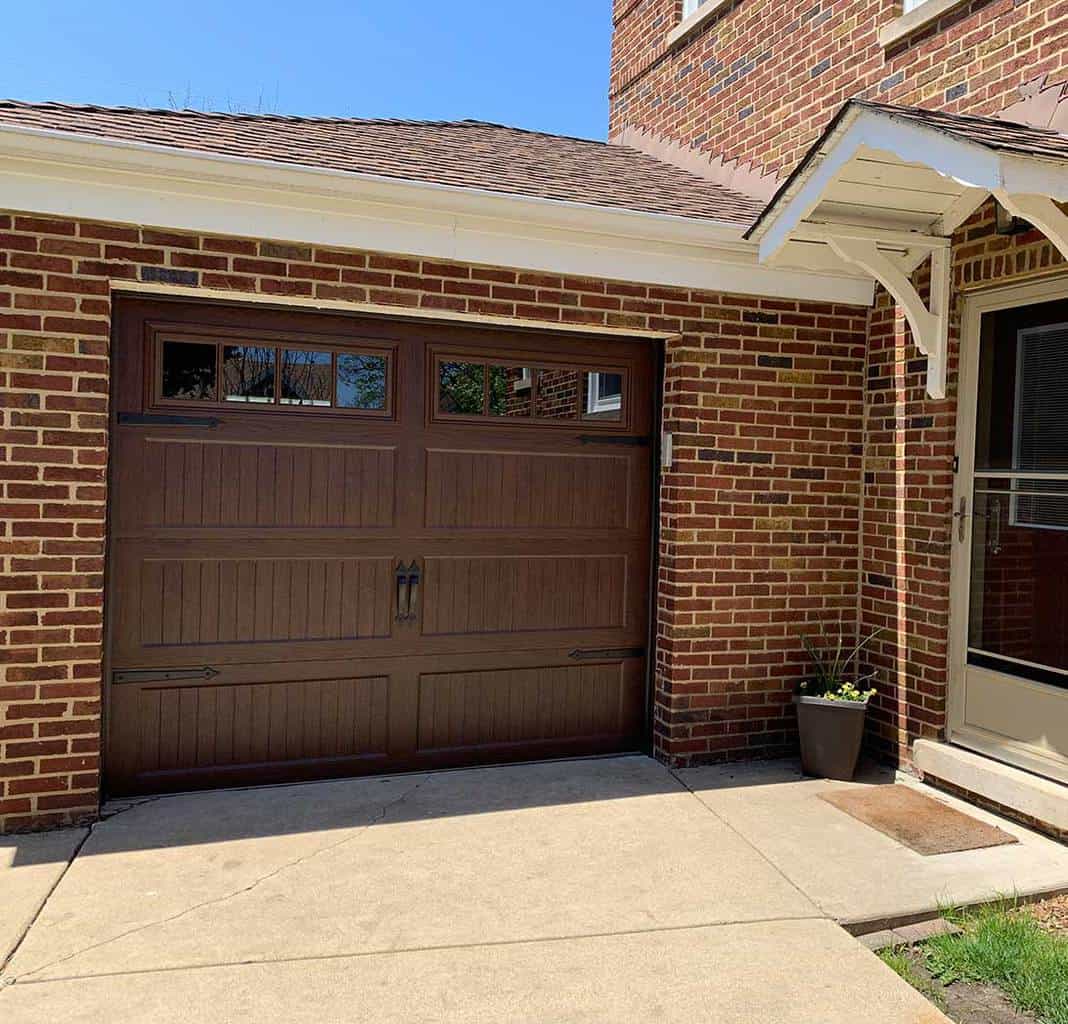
<point>466,154</point>
<point>991,132</point>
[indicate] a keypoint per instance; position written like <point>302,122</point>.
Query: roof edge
<point>726,230</point>
<point>801,170</point>
<point>244,115</point>
<point>64,174</point>
<point>995,161</point>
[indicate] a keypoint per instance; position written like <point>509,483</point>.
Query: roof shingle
<point>464,154</point>
<point>991,132</point>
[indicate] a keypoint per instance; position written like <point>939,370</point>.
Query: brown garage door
<point>342,546</point>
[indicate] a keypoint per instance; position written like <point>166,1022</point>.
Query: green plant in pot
<point>831,705</point>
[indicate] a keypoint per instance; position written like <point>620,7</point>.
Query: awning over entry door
<point>884,189</point>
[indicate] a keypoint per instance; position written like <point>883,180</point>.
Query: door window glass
<point>511,391</point>
<point>263,375</point>
<point>532,393</point>
<point>603,392</point>
<point>557,396</point>
<point>1018,617</point>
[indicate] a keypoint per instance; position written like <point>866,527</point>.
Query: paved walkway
<point>599,890</point>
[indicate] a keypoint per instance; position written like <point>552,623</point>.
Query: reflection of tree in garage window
<point>361,381</point>
<point>188,371</point>
<point>306,377</point>
<point>248,373</point>
<point>461,388</point>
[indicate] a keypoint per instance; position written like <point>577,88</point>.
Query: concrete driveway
<point>599,890</point>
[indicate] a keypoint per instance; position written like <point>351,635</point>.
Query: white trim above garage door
<point>63,174</point>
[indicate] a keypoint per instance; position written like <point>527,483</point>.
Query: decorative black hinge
<point>956,463</point>
<point>165,420</point>
<point>163,675</point>
<point>607,654</point>
<point>632,440</point>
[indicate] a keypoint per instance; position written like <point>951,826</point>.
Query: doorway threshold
<point>1035,801</point>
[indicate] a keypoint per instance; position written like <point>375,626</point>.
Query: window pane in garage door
<point>189,371</point>
<point>361,381</point>
<point>248,373</point>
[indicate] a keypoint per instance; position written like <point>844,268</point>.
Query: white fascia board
<point>61,174</point>
<point>1023,175</point>
<point>971,165</point>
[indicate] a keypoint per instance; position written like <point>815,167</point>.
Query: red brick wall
<point>761,79</point>
<point>760,538</point>
<point>53,374</point>
<point>759,517</point>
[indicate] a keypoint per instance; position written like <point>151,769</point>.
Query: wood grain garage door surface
<point>342,546</point>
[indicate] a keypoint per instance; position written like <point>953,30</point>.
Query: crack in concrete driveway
<point>274,873</point>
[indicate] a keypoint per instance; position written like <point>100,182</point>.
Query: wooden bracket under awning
<point>885,188</point>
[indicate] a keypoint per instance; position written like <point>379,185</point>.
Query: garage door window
<point>461,388</point>
<point>248,373</point>
<point>604,395</point>
<point>511,391</point>
<point>267,375</point>
<point>537,394</point>
<point>361,381</point>
<point>189,371</point>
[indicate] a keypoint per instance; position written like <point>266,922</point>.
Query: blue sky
<point>540,64</point>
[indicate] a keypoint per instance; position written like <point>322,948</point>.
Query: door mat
<point>923,824</point>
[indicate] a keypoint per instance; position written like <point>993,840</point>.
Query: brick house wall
<point>760,508</point>
<point>760,81</point>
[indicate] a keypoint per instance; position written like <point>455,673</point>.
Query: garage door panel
<point>526,490</point>
<point>193,483</point>
<point>524,593</point>
<point>538,704</point>
<point>174,730</point>
<point>195,602</point>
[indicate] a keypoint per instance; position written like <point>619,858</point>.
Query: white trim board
<point>694,20</point>
<point>65,175</point>
<point>975,168</point>
<point>914,17</point>
<point>196,293</point>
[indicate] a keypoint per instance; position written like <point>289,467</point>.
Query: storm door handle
<point>961,515</point>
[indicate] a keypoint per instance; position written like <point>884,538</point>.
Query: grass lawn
<point>1001,945</point>
<point>901,964</point>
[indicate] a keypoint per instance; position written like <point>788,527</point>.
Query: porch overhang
<point>884,189</point>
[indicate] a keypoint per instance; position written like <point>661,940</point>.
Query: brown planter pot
<point>831,733</point>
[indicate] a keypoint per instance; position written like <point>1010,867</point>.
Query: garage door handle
<point>403,592</point>
<point>407,577</point>
<point>413,591</point>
